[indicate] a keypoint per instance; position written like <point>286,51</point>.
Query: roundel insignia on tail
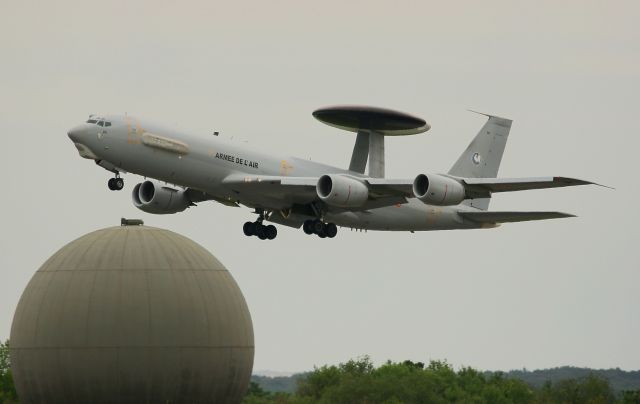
<point>476,158</point>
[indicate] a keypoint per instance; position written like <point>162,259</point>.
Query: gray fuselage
<point>210,159</point>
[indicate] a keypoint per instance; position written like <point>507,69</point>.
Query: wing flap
<point>267,183</point>
<point>273,191</point>
<point>509,217</point>
<point>388,187</point>
<point>196,196</point>
<point>302,190</point>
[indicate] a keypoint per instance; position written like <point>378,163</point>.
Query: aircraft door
<point>134,131</point>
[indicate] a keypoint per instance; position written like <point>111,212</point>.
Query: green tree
<point>630,397</point>
<point>358,381</point>
<point>591,389</point>
<point>318,381</point>
<point>7,388</point>
<point>256,390</point>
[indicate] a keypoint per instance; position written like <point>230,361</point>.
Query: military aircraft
<point>184,169</point>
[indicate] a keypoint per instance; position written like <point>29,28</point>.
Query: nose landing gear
<point>319,228</point>
<point>268,232</point>
<point>116,183</point>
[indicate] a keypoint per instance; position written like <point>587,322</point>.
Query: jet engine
<point>152,197</point>
<point>439,190</point>
<point>342,191</point>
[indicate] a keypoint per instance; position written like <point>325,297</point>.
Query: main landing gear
<point>319,228</point>
<point>268,232</point>
<point>116,183</point>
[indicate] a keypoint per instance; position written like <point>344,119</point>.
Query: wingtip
<point>598,185</point>
<point>576,181</point>
<point>603,186</point>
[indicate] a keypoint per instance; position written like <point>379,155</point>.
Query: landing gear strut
<point>319,228</point>
<point>116,183</point>
<point>258,229</point>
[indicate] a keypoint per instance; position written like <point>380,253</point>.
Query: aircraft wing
<point>386,191</point>
<point>507,217</point>
<point>484,187</point>
<point>278,191</point>
<point>303,189</point>
<point>270,182</point>
<point>478,187</point>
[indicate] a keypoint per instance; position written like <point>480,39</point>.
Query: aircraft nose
<point>75,133</point>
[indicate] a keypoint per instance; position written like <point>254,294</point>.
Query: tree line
<point>620,380</point>
<point>359,381</point>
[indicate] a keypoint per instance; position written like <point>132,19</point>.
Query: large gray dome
<point>132,314</point>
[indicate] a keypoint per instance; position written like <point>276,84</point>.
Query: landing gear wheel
<point>249,229</point>
<point>271,232</point>
<point>330,230</point>
<point>322,230</point>
<point>317,227</point>
<point>307,226</point>
<point>258,229</point>
<point>115,184</point>
<point>261,231</point>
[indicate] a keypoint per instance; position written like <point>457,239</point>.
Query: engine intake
<point>151,197</point>
<point>439,190</point>
<point>341,191</point>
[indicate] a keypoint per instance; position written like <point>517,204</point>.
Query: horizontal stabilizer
<point>507,217</point>
<point>484,187</point>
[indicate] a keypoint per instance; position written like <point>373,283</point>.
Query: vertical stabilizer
<point>482,157</point>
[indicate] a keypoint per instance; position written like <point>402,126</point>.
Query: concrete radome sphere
<point>132,314</point>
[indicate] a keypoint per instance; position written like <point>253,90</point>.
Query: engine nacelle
<point>438,190</point>
<point>151,197</point>
<point>338,190</point>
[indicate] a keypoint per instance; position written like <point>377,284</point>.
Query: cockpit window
<point>99,122</point>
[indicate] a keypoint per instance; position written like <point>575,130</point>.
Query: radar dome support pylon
<point>360,152</point>
<point>372,125</point>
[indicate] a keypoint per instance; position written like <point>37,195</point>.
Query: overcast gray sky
<point>532,295</point>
